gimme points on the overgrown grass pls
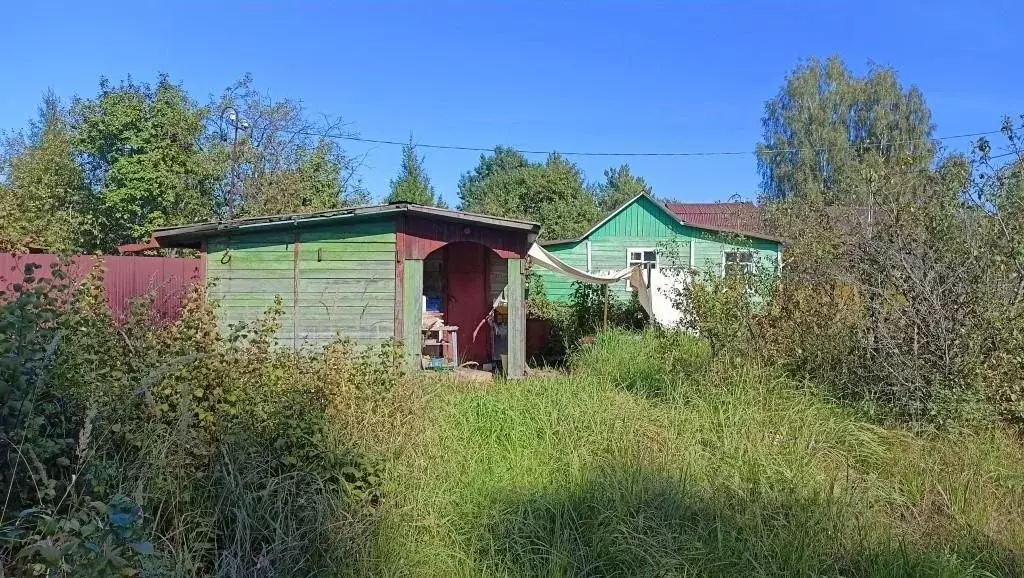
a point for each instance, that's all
(650, 459)
(200, 453)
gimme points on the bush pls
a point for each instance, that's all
(911, 303)
(584, 315)
(906, 293)
(158, 447)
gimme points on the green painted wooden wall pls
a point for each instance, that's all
(412, 311)
(343, 281)
(644, 224)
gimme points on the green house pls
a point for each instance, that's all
(372, 274)
(668, 240)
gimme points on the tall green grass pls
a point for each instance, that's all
(650, 459)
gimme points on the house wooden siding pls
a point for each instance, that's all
(644, 224)
(559, 287)
(333, 280)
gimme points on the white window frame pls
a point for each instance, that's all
(751, 266)
(642, 250)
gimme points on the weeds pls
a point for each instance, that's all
(717, 469)
(233, 457)
(178, 450)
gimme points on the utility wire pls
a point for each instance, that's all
(632, 154)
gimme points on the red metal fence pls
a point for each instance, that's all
(124, 278)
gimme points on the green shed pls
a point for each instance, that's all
(667, 240)
(372, 274)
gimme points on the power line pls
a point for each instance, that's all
(630, 154)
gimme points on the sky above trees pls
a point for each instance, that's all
(623, 77)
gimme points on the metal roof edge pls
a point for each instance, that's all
(674, 217)
(549, 242)
(187, 233)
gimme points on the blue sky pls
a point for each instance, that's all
(629, 76)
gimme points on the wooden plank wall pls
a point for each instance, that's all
(516, 320)
(336, 280)
(644, 225)
(558, 287)
(423, 236)
(247, 273)
(347, 283)
(412, 307)
(497, 277)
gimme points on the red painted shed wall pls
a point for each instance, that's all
(418, 237)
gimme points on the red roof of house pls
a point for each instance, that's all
(739, 217)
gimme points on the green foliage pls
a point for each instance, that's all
(136, 157)
(37, 446)
(651, 458)
(552, 193)
(538, 306)
(838, 122)
(619, 187)
(906, 290)
(100, 539)
(278, 164)
(720, 308)
(141, 152)
(46, 202)
(412, 184)
(584, 315)
(654, 364)
(237, 454)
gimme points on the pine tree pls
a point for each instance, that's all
(412, 184)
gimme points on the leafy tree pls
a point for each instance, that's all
(477, 188)
(142, 155)
(279, 161)
(412, 184)
(829, 123)
(552, 193)
(619, 187)
(44, 200)
(311, 185)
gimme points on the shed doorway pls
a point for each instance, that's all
(462, 283)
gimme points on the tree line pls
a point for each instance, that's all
(91, 173)
(94, 172)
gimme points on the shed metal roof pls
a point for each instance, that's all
(189, 234)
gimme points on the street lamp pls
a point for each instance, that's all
(235, 121)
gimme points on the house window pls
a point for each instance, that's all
(739, 262)
(646, 258)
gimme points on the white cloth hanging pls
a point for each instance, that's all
(540, 256)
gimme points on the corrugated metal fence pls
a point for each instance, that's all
(124, 277)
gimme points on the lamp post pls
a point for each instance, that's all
(235, 121)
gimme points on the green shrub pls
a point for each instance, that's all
(236, 457)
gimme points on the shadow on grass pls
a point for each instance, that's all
(634, 523)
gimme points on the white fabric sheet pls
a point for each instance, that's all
(539, 256)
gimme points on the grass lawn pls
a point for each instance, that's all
(649, 460)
